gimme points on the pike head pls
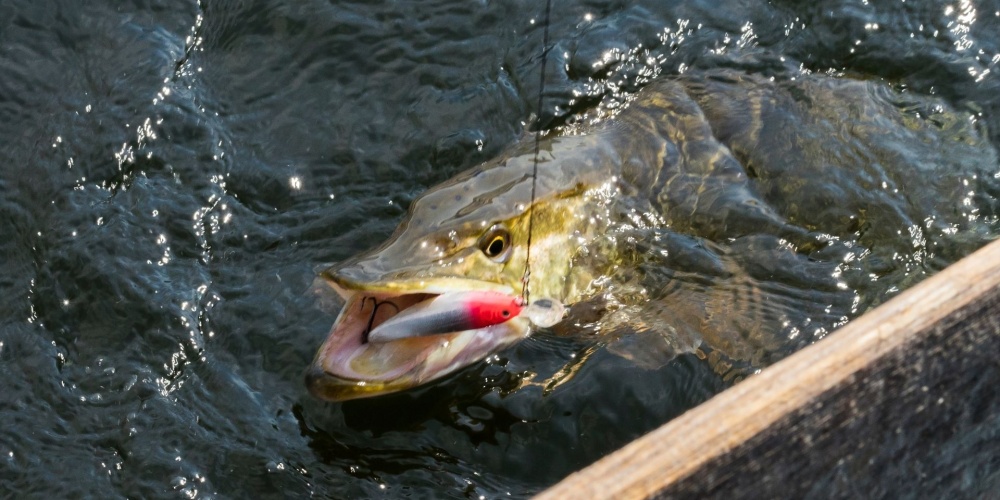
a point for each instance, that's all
(468, 234)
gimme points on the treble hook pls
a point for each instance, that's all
(371, 320)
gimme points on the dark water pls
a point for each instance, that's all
(173, 172)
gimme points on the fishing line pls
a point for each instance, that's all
(525, 294)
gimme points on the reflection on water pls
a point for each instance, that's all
(174, 172)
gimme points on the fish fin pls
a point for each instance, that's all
(570, 369)
(651, 336)
(652, 348)
(730, 369)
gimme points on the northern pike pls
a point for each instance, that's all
(726, 211)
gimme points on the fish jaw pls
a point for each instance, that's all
(348, 366)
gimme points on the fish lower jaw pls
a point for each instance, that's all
(382, 368)
(350, 366)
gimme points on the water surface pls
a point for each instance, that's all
(173, 173)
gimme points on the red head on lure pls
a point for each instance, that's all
(490, 308)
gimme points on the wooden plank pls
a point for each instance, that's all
(903, 400)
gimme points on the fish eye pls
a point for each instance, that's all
(495, 243)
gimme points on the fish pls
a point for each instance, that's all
(699, 204)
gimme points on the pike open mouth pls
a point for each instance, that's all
(386, 342)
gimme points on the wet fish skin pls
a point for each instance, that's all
(808, 173)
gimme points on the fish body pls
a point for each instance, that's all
(699, 197)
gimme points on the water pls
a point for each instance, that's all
(173, 173)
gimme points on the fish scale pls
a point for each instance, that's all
(768, 178)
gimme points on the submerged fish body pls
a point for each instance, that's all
(702, 194)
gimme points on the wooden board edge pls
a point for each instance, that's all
(680, 447)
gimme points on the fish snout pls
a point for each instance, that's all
(316, 379)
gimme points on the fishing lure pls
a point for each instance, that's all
(545, 312)
(447, 313)
(461, 311)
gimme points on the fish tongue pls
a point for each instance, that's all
(445, 313)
